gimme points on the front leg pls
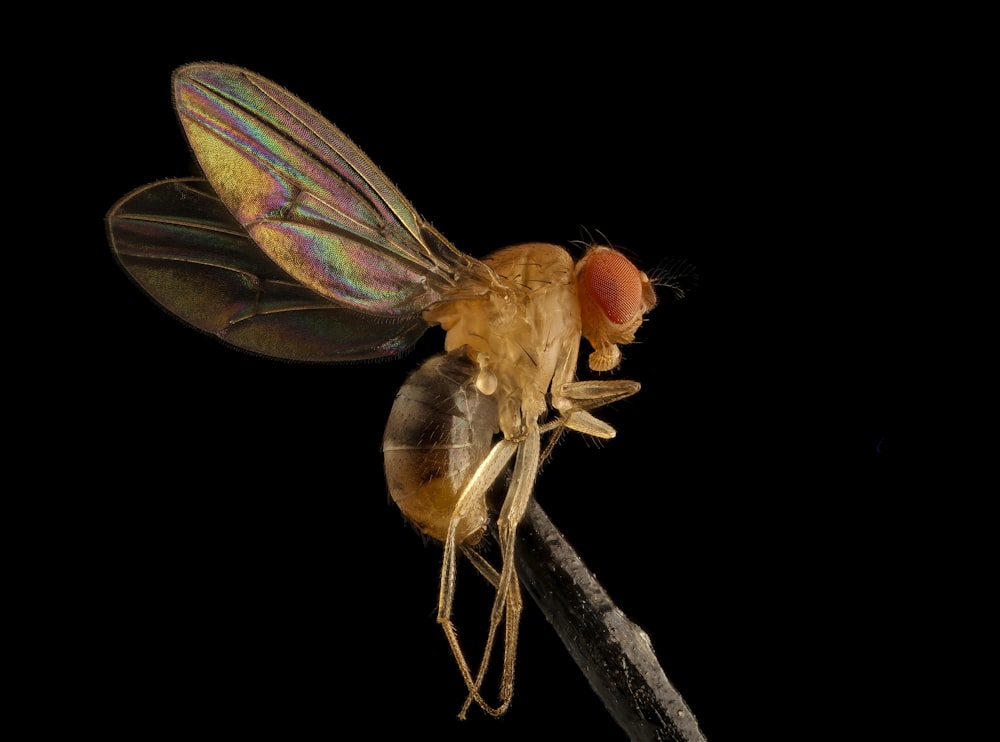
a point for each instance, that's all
(574, 401)
(577, 398)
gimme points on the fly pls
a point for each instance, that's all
(295, 245)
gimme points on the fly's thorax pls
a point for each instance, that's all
(614, 296)
(522, 334)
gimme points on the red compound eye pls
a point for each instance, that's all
(614, 285)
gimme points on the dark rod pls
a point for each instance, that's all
(614, 654)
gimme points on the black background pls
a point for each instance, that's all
(241, 568)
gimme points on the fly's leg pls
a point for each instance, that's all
(575, 401)
(508, 593)
(595, 393)
(484, 476)
(577, 398)
(511, 616)
(481, 564)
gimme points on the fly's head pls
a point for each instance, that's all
(614, 295)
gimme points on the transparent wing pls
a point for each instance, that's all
(310, 199)
(295, 245)
(182, 246)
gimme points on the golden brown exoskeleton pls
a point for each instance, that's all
(295, 245)
(512, 355)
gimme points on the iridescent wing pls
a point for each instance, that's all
(299, 247)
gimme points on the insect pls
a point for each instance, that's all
(295, 245)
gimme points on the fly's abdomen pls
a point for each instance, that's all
(440, 428)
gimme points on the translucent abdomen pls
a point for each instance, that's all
(439, 430)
